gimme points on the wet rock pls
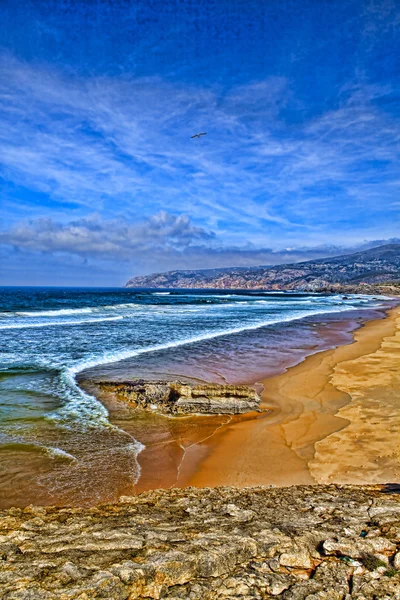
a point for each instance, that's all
(183, 398)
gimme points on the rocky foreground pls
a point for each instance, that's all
(183, 398)
(308, 542)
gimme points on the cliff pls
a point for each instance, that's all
(375, 266)
(182, 398)
(308, 542)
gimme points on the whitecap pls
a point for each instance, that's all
(58, 453)
(62, 323)
(55, 313)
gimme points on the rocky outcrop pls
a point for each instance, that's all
(298, 543)
(374, 266)
(182, 398)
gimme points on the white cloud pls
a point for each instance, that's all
(94, 237)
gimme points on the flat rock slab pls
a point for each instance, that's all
(306, 542)
(177, 398)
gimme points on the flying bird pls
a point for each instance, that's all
(198, 135)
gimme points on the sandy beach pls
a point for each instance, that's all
(335, 417)
(332, 418)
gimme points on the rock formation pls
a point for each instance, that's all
(182, 398)
(307, 542)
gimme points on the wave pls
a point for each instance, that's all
(84, 412)
(54, 313)
(57, 453)
(87, 310)
(157, 308)
(128, 305)
(200, 300)
(53, 323)
(113, 357)
(51, 451)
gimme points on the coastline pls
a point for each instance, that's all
(330, 420)
(313, 425)
(63, 446)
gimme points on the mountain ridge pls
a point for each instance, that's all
(374, 266)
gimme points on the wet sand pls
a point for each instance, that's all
(174, 447)
(335, 418)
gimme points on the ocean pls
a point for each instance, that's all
(58, 443)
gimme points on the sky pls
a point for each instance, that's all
(101, 180)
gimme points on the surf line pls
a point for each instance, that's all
(118, 356)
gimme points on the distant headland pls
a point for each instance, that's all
(375, 271)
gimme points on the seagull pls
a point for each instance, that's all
(198, 135)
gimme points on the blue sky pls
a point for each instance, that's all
(100, 179)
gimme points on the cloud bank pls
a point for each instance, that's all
(94, 237)
(152, 245)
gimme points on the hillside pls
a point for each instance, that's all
(374, 266)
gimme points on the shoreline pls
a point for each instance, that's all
(283, 445)
(318, 409)
(302, 410)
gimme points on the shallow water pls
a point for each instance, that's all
(57, 443)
